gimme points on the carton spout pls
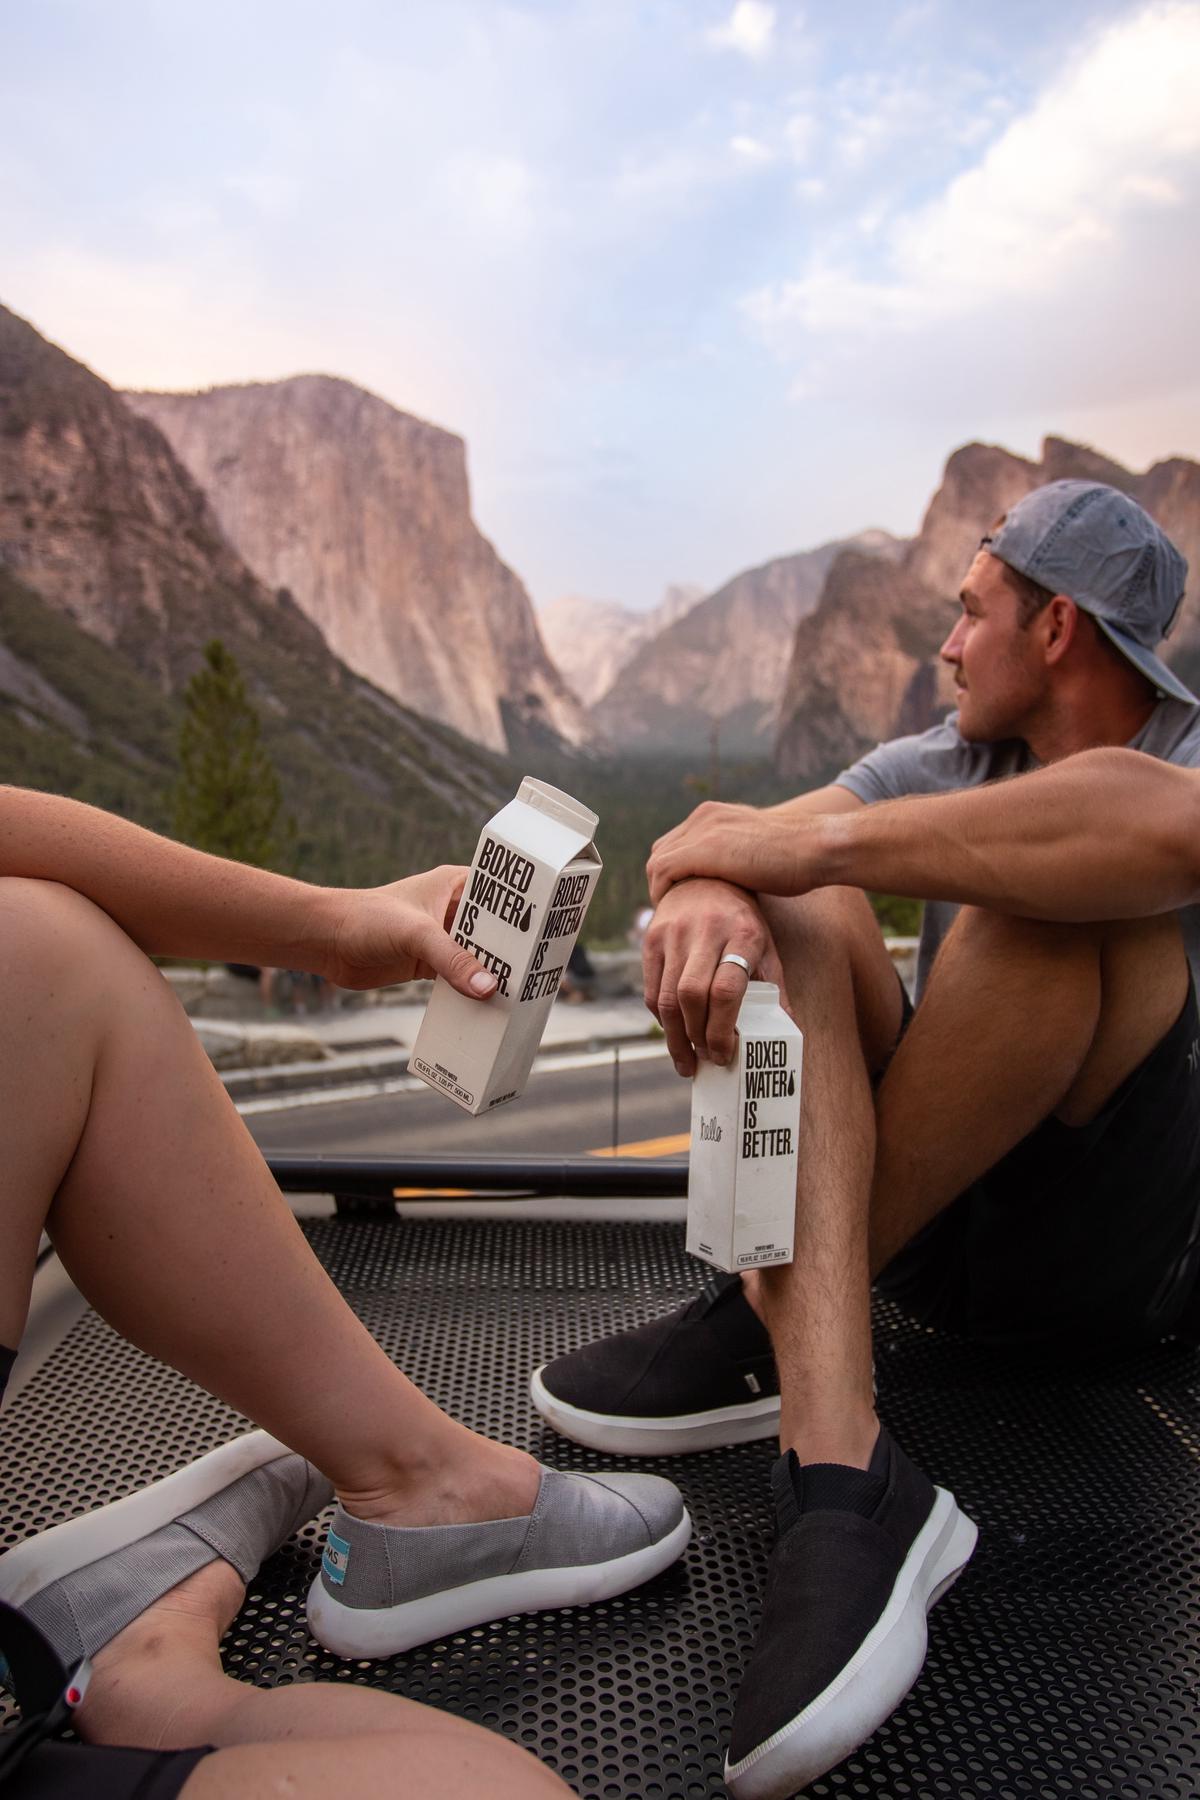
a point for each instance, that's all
(557, 805)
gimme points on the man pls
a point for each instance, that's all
(1020, 1163)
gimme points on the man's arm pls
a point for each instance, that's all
(690, 992)
(1107, 834)
(175, 901)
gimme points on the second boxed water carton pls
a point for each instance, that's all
(745, 1131)
(534, 872)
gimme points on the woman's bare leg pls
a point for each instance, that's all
(117, 1137)
(160, 1685)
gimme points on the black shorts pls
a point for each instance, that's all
(1085, 1238)
(93, 1772)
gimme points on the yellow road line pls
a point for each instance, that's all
(437, 1193)
(659, 1146)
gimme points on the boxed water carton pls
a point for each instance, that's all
(745, 1131)
(534, 873)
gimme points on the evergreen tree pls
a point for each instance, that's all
(227, 797)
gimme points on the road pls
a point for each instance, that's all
(563, 1112)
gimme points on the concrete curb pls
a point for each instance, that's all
(345, 1071)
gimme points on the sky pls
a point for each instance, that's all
(700, 282)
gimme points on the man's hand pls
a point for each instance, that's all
(379, 936)
(764, 852)
(694, 996)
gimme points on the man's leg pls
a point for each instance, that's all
(1021, 1020)
(704, 1375)
(843, 993)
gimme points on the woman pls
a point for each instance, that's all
(117, 1138)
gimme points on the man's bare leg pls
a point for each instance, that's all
(844, 995)
(1020, 1020)
(159, 1684)
(117, 1136)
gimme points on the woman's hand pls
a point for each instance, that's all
(379, 936)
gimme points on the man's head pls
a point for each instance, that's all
(1076, 577)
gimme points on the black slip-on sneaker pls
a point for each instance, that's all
(857, 1564)
(699, 1378)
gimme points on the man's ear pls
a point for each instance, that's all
(1059, 622)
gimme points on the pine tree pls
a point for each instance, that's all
(227, 797)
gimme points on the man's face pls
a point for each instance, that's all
(999, 675)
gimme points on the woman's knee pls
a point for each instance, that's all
(59, 951)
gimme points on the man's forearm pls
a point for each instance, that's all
(171, 900)
(1108, 834)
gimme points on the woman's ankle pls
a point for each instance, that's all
(153, 1684)
(478, 1481)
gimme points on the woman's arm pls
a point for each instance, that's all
(174, 901)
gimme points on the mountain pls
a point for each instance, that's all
(864, 663)
(114, 573)
(724, 662)
(363, 514)
(592, 640)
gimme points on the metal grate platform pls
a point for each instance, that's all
(1065, 1663)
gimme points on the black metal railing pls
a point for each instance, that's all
(370, 1183)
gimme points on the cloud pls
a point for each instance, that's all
(751, 150)
(1066, 254)
(800, 135)
(749, 30)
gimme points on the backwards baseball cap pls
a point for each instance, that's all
(1104, 552)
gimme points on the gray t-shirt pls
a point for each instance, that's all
(940, 761)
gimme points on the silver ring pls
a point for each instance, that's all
(733, 957)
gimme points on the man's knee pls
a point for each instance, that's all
(834, 920)
(830, 941)
(1001, 937)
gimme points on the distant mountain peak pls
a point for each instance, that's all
(362, 512)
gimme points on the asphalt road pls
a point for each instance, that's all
(563, 1112)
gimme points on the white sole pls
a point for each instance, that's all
(622, 1436)
(29, 1567)
(875, 1680)
(362, 1633)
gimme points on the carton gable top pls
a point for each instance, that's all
(541, 827)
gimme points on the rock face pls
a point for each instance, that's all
(362, 514)
(864, 663)
(592, 640)
(723, 664)
(114, 573)
(98, 517)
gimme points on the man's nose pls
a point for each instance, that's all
(951, 650)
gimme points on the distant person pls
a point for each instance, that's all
(118, 1139)
(579, 977)
(1019, 1162)
(642, 920)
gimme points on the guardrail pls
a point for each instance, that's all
(367, 1184)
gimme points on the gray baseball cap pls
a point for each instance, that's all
(1104, 551)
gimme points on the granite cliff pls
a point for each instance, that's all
(724, 662)
(362, 513)
(593, 640)
(114, 572)
(864, 662)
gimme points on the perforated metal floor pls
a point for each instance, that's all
(1065, 1663)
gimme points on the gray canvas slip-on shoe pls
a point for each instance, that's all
(83, 1582)
(384, 1589)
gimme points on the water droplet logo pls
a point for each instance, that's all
(791, 1083)
(527, 918)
